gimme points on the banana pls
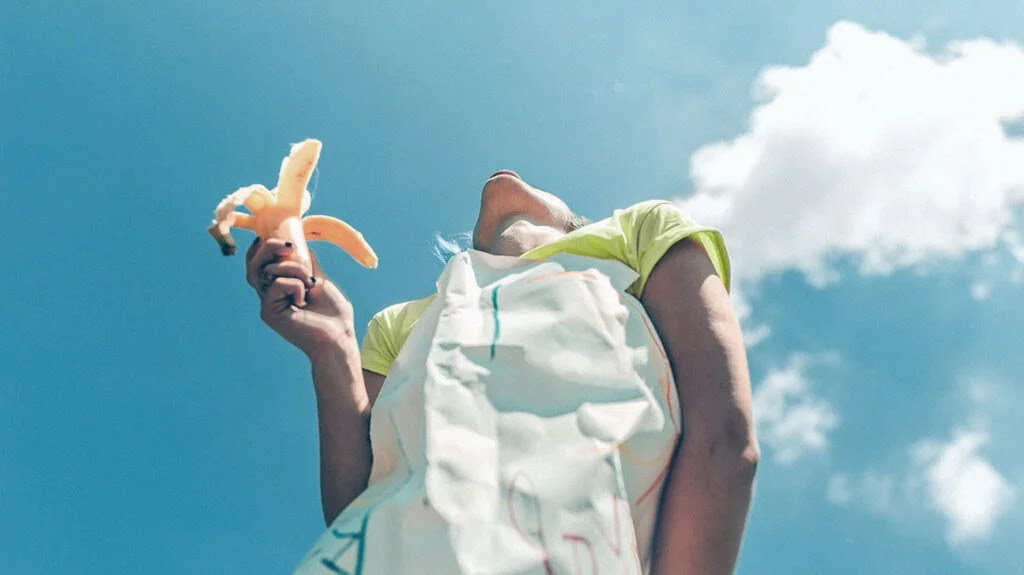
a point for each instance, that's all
(278, 213)
(339, 233)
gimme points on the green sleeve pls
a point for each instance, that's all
(387, 332)
(377, 351)
(654, 229)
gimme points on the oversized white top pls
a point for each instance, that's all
(526, 427)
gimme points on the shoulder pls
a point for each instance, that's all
(629, 218)
(403, 310)
(649, 221)
(395, 321)
(638, 236)
(652, 227)
(651, 215)
(387, 331)
(644, 208)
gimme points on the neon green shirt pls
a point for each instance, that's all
(637, 236)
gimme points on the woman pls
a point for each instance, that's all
(681, 272)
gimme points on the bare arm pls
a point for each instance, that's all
(343, 416)
(344, 398)
(708, 491)
(309, 311)
(374, 382)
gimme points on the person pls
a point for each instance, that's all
(683, 287)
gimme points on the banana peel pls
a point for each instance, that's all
(278, 213)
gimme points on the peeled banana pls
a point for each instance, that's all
(278, 213)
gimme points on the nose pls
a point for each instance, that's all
(505, 173)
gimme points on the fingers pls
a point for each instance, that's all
(267, 261)
(262, 253)
(252, 250)
(287, 269)
(282, 294)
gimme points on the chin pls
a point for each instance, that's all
(504, 196)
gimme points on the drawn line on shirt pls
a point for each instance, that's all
(666, 370)
(663, 383)
(497, 321)
(626, 453)
(358, 536)
(535, 536)
(540, 545)
(657, 481)
(616, 546)
(590, 551)
(586, 275)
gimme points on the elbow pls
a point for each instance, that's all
(742, 449)
(747, 461)
(737, 464)
(743, 452)
(736, 471)
(729, 459)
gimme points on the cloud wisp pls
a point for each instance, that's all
(962, 485)
(950, 476)
(874, 151)
(873, 490)
(792, 421)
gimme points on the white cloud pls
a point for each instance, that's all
(981, 391)
(980, 291)
(792, 422)
(962, 485)
(1015, 244)
(753, 333)
(875, 151)
(948, 476)
(873, 490)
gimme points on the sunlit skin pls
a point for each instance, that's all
(516, 217)
(708, 490)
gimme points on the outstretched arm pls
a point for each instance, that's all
(343, 416)
(344, 396)
(708, 491)
(311, 312)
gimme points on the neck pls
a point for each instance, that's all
(521, 236)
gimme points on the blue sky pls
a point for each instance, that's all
(150, 423)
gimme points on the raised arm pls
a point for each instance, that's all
(708, 491)
(311, 313)
(343, 417)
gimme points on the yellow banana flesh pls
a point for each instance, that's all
(278, 213)
(328, 229)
